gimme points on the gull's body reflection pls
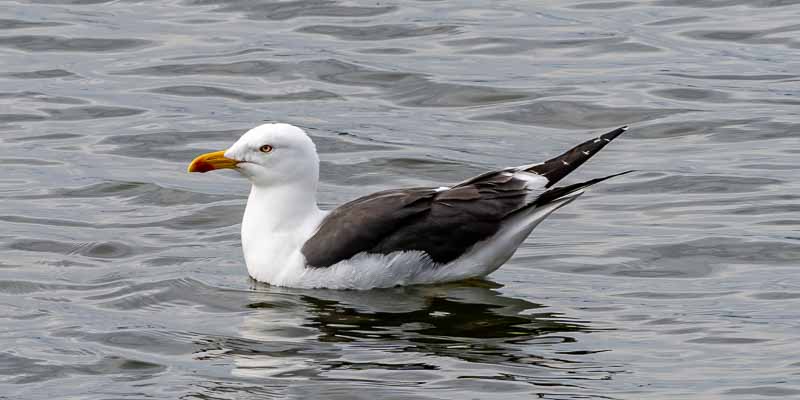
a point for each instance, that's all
(418, 335)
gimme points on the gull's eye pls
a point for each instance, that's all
(265, 148)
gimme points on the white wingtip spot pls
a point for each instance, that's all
(586, 152)
(565, 163)
(624, 128)
(596, 140)
(442, 188)
(531, 177)
(606, 139)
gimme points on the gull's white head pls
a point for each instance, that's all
(268, 155)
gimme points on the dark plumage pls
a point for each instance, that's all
(445, 223)
(556, 168)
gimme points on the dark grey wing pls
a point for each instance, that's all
(362, 224)
(444, 223)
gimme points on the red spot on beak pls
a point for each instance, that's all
(211, 161)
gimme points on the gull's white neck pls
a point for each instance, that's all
(280, 208)
(277, 222)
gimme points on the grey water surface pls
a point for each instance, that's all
(121, 275)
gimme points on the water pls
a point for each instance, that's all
(121, 275)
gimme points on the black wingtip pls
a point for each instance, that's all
(613, 134)
(557, 168)
(559, 192)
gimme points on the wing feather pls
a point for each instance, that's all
(444, 223)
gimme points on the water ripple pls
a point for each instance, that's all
(294, 9)
(378, 32)
(210, 91)
(122, 275)
(41, 43)
(573, 114)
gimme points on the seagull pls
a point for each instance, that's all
(419, 235)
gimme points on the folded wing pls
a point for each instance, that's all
(444, 223)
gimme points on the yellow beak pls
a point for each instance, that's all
(211, 161)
